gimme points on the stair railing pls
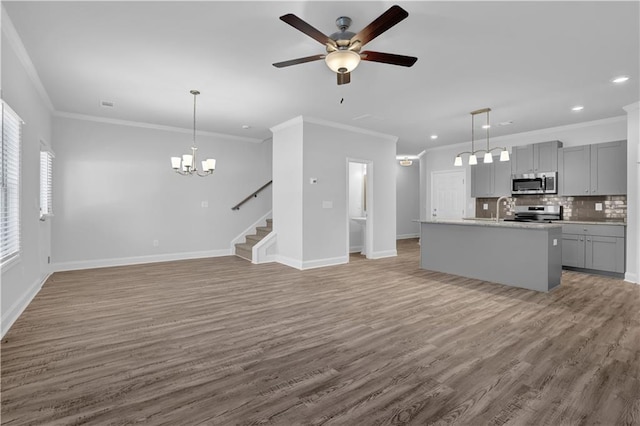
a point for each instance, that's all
(253, 195)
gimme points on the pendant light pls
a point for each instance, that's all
(487, 158)
(187, 164)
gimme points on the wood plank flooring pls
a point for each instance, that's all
(224, 342)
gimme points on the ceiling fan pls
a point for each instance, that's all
(343, 47)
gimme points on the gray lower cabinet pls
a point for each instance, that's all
(597, 247)
(598, 169)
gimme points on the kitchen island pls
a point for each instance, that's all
(519, 254)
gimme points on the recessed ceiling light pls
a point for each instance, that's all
(434, 136)
(246, 126)
(577, 108)
(486, 126)
(620, 79)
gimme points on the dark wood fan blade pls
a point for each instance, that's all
(301, 25)
(298, 61)
(388, 58)
(381, 24)
(344, 78)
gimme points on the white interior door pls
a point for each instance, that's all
(448, 194)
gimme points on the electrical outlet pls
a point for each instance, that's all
(555, 242)
(204, 204)
(485, 206)
(598, 207)
(156, 243)
(313, 181)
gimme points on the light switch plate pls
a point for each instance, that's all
(327, 204)
(598, 207)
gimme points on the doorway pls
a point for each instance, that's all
(448, 194)
(359, 207)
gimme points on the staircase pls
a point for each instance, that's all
(244, 250)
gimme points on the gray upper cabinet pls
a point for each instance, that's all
(491, 180)
(502, 177)
(482, 180)
(599, 169)
(538, 157)
(609, 168)
(574, 170)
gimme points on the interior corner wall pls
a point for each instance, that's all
(326, 152)
(633, 193)
(408, 200)
(22, 280)
(287, 192)
(117, 201)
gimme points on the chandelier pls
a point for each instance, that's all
(187, 165)
(488, 158)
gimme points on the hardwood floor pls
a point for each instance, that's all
(222, 341)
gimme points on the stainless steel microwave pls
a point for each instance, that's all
(534, 183)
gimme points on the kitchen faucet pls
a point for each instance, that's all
(504, 197)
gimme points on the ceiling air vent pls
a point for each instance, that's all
(106, 104)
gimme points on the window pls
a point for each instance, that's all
(46, 186)
(10, 186)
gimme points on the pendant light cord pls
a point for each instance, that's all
(194, 119)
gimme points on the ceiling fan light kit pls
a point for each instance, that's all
(342, 61)
(343, 47)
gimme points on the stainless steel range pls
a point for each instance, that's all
(536, 214)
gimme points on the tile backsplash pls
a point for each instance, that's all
(614, 207)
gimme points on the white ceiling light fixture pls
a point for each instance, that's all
(342, 61)
(577, 108)
(487, 158)
(406, 162)
(434, 137)
(620, 79)
(186, 165)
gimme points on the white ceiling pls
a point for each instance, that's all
(528, 61)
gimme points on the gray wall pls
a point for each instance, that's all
(317, 236)
(408, 200)
(115, 193)
(22, 280)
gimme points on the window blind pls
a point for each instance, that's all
(46, 183)
(10, 185)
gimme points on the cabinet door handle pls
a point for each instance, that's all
(586, 190)
(588, 239)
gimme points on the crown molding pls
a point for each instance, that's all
(349, 128)
(9, 31)
(541, 132)
(118, 122)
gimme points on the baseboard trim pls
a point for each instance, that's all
(136, 260)
(382, 254)
(407, 236)
(320, 263)
(287, 261)
(14, 312)
(631, 277)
